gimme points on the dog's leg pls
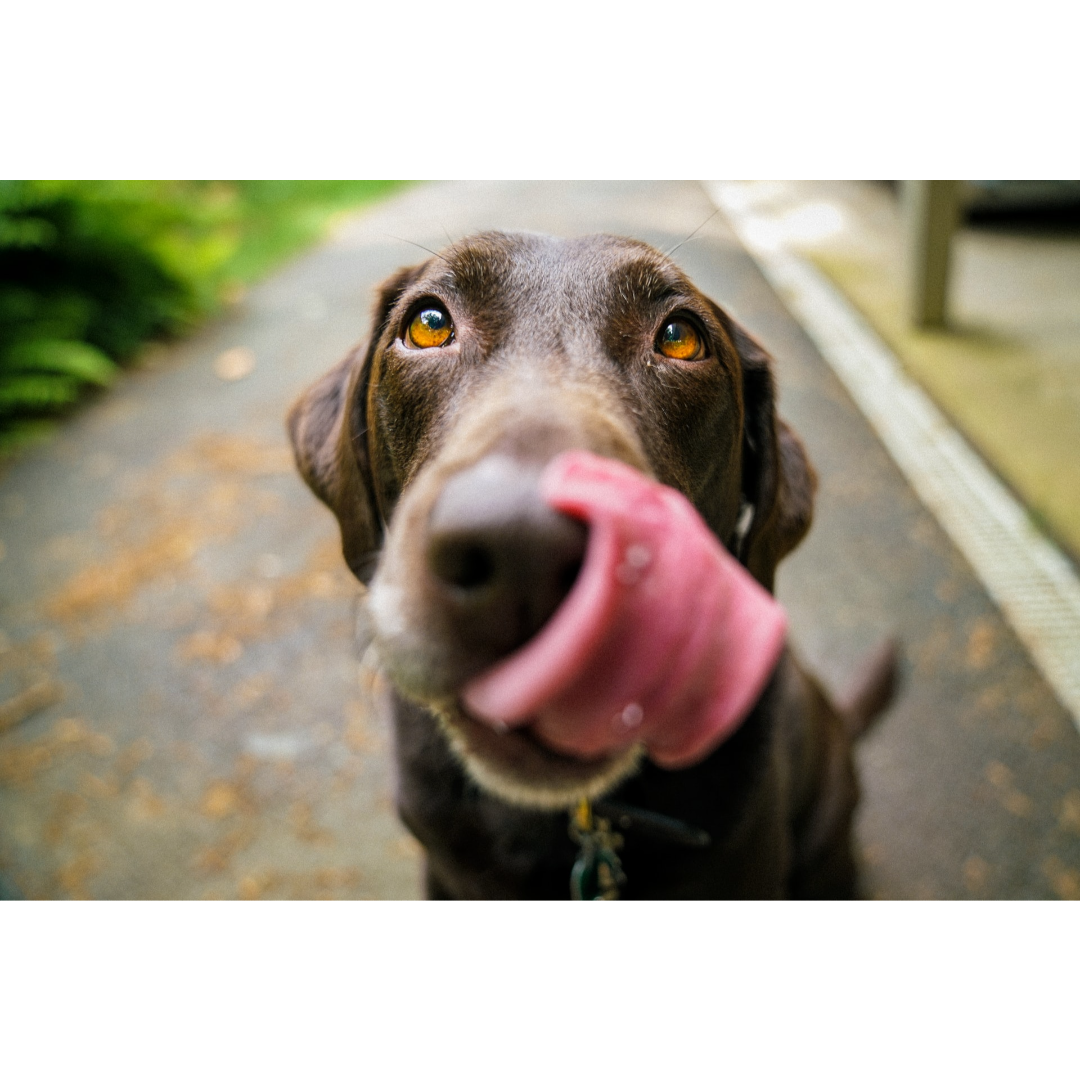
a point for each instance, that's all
(433, 888)
(872, 689)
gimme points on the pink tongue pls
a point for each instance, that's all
(664, 639)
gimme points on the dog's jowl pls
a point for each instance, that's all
(559, 469)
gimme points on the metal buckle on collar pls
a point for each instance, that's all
(597, 873)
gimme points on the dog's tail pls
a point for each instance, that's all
(872, 689)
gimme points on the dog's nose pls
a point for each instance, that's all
(502, 559)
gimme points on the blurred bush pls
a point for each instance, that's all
(89, 270)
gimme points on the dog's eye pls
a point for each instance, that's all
(679, 341)
(430, 327)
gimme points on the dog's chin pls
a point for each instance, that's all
(512, 765)
(517, 768)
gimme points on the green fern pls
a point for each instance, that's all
(74, 358)
(90, 270)
(80, 290)
(37, 392)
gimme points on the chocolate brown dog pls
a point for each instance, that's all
(428, 442)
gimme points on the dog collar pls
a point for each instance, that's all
(597, 873)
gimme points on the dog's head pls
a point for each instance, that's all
(428, 443)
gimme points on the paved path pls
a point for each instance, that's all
(175, 592)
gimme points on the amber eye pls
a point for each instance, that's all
(429, 328)
(679, 341)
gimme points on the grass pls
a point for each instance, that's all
(275, 219)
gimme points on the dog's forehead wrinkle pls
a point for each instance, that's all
(549, 276)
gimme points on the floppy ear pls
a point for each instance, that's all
(329, 433)
(778, 481)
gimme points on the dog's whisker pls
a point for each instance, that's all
(672, 251)
(422, 247)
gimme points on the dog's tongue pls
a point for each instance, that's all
(665, 639)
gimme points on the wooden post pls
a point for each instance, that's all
(931, 211)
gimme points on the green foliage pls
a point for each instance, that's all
(278, 217)
(89, 270)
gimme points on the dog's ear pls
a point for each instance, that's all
(778, 481)
(329, 432)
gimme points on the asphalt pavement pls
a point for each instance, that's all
(186, 715)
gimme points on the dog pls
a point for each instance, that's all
(483, 364)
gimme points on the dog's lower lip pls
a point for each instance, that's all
(523, 732)
(519, 768)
